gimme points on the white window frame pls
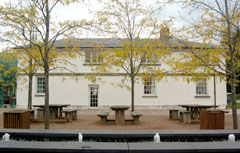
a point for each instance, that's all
(150, 61)
(202, 86)
(89, 92)
(40, 93)
(151, 87)
(91, 56)
(146, 61)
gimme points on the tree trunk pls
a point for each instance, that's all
(132, 93)
(214, 90)
(234, 103)
(30, 77)
(232, 67)
(46, 76)
(132, 78)
(46, 66)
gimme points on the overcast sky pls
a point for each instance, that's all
(80, 11)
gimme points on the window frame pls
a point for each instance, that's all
(201, 84)
(153, 60)
(96, 103)
(90, 56)
(151, 87)
(37, 85)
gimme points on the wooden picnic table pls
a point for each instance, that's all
(195, 109)
(55, 110)
(119, 113)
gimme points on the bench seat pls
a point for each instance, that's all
(40, 113)
(136, 117)
(103, 116)
(185, 117)
(173, 114)
(70, 114)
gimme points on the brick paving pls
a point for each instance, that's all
(151, 119)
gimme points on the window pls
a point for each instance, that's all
(146, 61)
(150, 60)
(201, 87)
(149, 86)
(40, 85)
(93, 58)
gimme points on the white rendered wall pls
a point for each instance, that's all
(170, 93)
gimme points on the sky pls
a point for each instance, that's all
(80, 11)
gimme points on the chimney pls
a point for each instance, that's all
(164, 33)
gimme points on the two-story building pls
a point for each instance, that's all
(83, 93)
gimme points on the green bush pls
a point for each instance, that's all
(230, 105)
(238, 96)
(229, 96)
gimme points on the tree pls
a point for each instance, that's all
(218, 30)
(28, 66)
(18, 35)
(135, 28)
(8, 74)
(35, 16)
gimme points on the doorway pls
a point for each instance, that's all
(93, 93)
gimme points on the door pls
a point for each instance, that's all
(93, 93)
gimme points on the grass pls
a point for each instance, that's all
(230, 105)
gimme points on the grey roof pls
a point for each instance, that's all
(89, 43)
(117, 43)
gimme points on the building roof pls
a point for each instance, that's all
(88, 42)
(117, 43)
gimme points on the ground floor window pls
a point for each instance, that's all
(201, 86)
(149, 86)
(40, 85)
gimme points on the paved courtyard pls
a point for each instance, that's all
(151, 119)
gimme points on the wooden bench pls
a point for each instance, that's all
(185, 117)
(103, 116)
(173, 114)
(70, 114)
(136, 117)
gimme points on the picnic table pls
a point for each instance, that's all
(195, 109)
(119, 113)
(55, 110)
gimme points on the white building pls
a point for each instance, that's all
(165, 94)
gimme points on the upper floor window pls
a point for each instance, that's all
(40, 85)
(146, 61)
(149, 86)
(150, 60)
(93, 58)
(201, 86)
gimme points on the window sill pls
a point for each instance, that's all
(39, 95)
(152, 64)
(202, 96)
(149, 96)
(91, 64)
